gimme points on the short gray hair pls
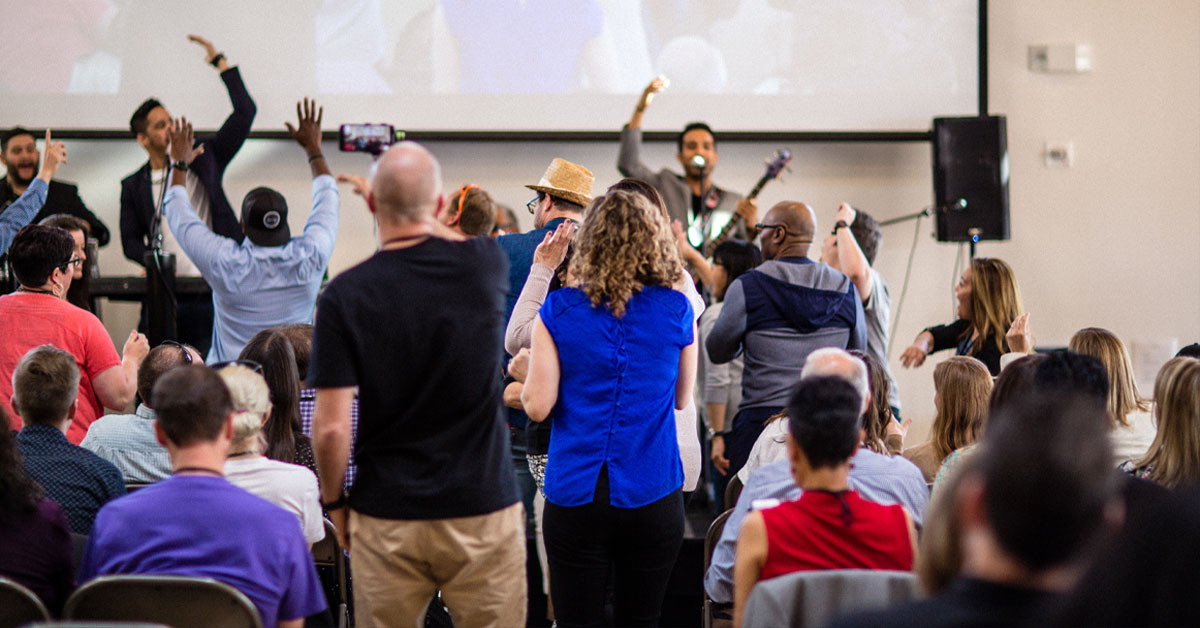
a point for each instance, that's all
(838, 363)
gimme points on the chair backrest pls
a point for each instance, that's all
(328, 553)
(733, 490)
(713, 535)
(19, 605)
(179, 601)
(813, 598)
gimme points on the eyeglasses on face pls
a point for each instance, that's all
(250, 364)
(74, 261)
(532, 204)
(763, 227)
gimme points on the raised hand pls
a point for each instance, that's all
(655, 86)
(55, 155)
(747, 208)
(553, 249)
(1019, 339)
(362, 187)
(308, 135)
(182, 139)
(210, 52)
(845, 213)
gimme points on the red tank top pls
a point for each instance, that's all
(823, 530)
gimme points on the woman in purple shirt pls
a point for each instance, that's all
(35, 543)
(612, 358)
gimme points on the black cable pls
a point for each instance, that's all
(904, 291)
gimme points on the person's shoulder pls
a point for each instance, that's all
(99, 465)
(143, 172)
(62, 188)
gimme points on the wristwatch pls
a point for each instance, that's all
(839, 225)
(338, 503)
(712, 432)
(179, 165)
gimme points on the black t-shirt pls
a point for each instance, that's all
(419, 331)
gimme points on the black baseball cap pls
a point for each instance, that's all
(264, 217)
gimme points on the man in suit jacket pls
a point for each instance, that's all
(142, 192)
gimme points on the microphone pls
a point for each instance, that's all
(698, 162)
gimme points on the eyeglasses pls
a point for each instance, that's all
(250, 364)
(532, 205)
(762, 227)
(74, 261)
(186, 349)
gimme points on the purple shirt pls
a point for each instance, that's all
(36, 551)
(204, 526)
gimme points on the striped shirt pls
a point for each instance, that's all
(308, 407)
(128, 441)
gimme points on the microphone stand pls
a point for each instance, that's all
(927, 212)
(160, 278)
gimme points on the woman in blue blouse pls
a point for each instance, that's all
(612, 358)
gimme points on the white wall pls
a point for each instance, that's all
(1112, 242)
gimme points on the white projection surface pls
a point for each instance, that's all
(498, 65)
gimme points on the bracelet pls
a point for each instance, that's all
(315, 157)
(336, 504)
(216, 61)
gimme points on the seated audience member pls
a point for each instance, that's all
(721, 384)
(41, 258)
(1015, 383)
(1133, 423)
(272, 353)
(506, 222)
(300, 336)
(771, 444)
(469, 211)
(45, 383)
(35, 543)
(270, 277)
(79, 294)
(14, 215)
(939, 552)
(289, 486)
(829, 526)
(885, 432)
(876, 477)
(1173, 460)
(961, 386)
(128, 440)
(196, 523)
(1041, 492)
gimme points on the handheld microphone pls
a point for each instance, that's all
(698, 162)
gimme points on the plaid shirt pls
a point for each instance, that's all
(79, 480)
(308, 406)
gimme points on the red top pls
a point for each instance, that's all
(822, 530)
(28, 320)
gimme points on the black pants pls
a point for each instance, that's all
(584, 544)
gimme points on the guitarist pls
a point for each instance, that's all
(701, 217)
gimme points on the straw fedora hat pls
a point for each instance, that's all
(567, 181)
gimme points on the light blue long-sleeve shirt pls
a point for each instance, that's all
(257, 287)
(21, 212)
(878, 478)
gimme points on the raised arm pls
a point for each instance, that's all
(23, 210)
(849, 254)
(541, 385)
(117, 385)
(307, 134)
(202, 246)
(629, 159)
(548, 256)
(233, 132)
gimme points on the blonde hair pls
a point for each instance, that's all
(624, 245)
(995, 300)
(1173, 459)
(1123, 395)
(251, 400)
(964, 386)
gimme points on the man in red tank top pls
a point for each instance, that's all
(829, 526)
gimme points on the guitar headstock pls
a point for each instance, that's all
(778, 164)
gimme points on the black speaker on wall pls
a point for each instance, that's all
(970, 163)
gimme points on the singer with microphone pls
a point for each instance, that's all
(142, 193)
(990, 321)
(701, 207)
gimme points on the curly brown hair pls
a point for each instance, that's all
(624, 245)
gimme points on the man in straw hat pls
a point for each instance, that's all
(562, 193)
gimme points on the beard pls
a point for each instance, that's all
(14, 173)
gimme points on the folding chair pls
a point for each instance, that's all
(710, 544)
(327, 553)
(179, 601)
(19, 605)
(813, 598)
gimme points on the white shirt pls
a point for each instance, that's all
(289, 486)
(199, 199)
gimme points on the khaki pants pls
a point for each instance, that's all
(477, 562)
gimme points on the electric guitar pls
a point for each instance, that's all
(774, 167)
